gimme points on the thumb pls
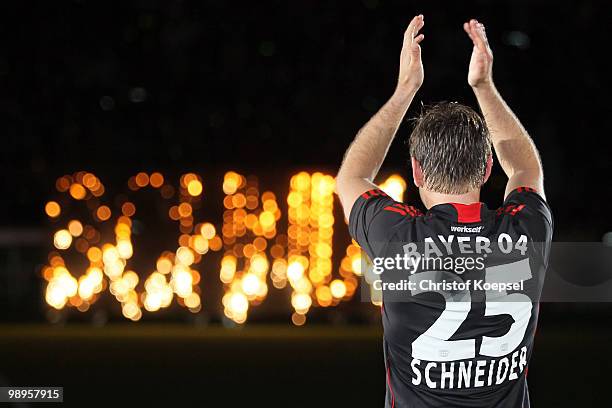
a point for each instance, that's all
(415, 49)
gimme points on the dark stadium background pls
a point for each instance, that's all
(272, 88)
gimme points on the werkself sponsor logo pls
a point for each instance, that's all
(463, 228)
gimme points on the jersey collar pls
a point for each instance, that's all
(463, 213)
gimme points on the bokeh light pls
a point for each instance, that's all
(254, 252)
(310, 236)
(249, 224)
(52, 209)
(109, 261)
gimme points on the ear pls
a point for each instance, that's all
(417, 172)
(488, 168)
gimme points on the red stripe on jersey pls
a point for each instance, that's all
(412, 211)
(523, 189)
(467, 212)
(397, 210)
(415, 211)
(511, 209)
(373, 193)
(517, 209)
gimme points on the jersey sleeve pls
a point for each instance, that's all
(374, 219)
(532, 211)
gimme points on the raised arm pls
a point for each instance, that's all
(367, 152)
(515, 150)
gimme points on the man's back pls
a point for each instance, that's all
(459, 322)
(460, 284)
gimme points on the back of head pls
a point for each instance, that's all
(452, 145)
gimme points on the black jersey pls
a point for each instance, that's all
(460, 317)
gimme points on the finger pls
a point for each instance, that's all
(477, 30)
(478, 39)
(414, 43)
(410, 26)
(410, 30)
(484, 33)
(418, 25)
(466, 28)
